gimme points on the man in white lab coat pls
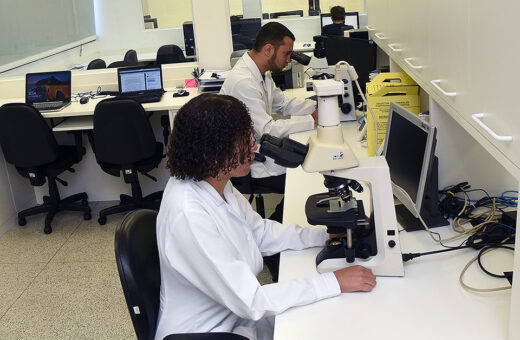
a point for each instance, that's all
(251, 82)
(211, 241)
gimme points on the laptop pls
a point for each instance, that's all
(48, 91)
(142, 83)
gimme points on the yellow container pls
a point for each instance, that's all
(385, 88)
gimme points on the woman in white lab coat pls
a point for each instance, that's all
(211, 241)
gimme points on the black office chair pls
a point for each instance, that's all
(137, 260)
(29, 144)
(131, 57)
(169, 54)
(246, 186)
(124, 142)
(96, 64)
(120, 63)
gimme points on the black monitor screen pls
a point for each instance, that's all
(359, 53)
(405, 154)
(243, 33)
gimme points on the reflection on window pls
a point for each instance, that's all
(168, 13)
(276, 6)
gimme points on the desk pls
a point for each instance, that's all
(79, 116)
(89, 177)
(427, 303)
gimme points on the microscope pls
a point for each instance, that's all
(370, 240)
(337, 72)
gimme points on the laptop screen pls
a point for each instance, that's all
(47, 87)
(140, 79)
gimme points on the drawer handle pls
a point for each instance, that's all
(408, 61)
(436, 82)
(379, 36)
(392, 47)
(476, 117)
(371, 28)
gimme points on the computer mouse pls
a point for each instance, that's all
(83, 100)
(181, 93)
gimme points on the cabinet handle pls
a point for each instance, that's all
(378, 35)
(408, 61)
(392, 47)
(371, 28)
(476, 117)
(436, 82)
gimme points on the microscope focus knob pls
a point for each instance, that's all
(391, 243)
(346, 108)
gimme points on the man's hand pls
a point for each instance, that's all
(315, 116)
(355, 279)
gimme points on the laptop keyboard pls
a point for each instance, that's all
(48, 106)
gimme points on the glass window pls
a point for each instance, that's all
(168, 13)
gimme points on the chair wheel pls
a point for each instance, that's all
(87, 216)
(47, 229)
(22, 221)
(102, 220)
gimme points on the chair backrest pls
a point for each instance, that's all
(169, 54)
(137, 260)
(122, 132)
(26, 139)
(96, 64)
(235, 55)
(120, 63)
(131, 57)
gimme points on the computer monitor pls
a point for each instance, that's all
(359, 53)
(243, 33)
(351, 19)
(409, 150)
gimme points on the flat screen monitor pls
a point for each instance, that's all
(351, 19)
(359, 53)
(243, 33)
(409, 150)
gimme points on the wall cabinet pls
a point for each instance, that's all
(463, 53)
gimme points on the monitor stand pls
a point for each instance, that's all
(411, 223)
(430, 212)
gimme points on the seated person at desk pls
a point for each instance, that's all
(211, 241)
(338, 27)
(250, 81)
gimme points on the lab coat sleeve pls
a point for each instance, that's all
(273, 237)
(290, 106)
(253, 96)
(206, 259)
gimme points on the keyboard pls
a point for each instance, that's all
(50, 106)
(145, 98)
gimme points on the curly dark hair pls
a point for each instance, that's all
(211, 133)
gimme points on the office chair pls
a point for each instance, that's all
(29, 144)
(137, 260)
(246, 186)
(96, 64)
(123, 141)
(121, 63)
(169, 54)
(131, 57)
(236, 55)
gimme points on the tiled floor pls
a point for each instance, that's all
(65, 285)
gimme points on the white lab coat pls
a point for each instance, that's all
(210, 252)
(262, 98)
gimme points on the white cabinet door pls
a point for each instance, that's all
(415, 44)
(377, 17)
(448, 68)
(493, 78)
